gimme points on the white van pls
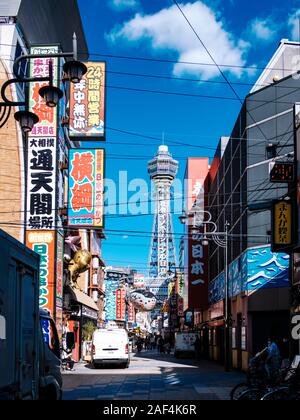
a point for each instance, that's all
(110, 346)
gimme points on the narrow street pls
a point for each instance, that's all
(151, 376)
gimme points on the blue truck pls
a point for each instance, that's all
(29, 345)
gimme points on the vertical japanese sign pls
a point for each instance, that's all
(42, 148)
(131, 312)
(282, 229)
(43, 243)
(59, 283)
(86, 186)
(120, 305)
(180, 294)
(41, 191)
(39, 67)
(87, 104)
(41, 183)
(197, 255)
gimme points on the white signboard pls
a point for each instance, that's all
(41, 184)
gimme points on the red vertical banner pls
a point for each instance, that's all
(120, 305)
(131, 312)
(197, 254)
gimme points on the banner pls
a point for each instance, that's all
(39, 67)
(41, 185)
(282, 225)
(120, 305)
(86, 187)
(59, 283)
(43, 243)
(87, 104)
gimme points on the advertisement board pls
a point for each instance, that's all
(87, 104)
(39, 67)
(196, 255)
(86, 188)
(59, 283)
(282, 225)
(43, 243)
(120, 305)
(41, 184)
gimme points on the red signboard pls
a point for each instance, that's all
(197, 254)
(120, 305)
(131, 312)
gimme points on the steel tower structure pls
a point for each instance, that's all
(162, 170)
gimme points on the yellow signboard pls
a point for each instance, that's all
(282, 225)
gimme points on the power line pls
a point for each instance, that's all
(162, 60)
(218, 67)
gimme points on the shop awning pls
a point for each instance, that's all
(84, 299)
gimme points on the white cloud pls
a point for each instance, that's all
(167, 30)
(293, 23)
(263, 29)
(124, 4)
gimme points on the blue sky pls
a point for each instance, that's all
(240, 33)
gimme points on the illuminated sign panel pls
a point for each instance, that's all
(282, 172)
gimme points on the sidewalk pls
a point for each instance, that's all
(153, 376)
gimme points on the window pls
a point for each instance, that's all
(50, 335)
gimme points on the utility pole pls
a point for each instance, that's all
(227, 311)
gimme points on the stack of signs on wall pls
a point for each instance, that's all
(86, 186)
(42, 179)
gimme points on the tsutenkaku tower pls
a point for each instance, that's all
(162, 170)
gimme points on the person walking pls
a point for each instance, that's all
(152, 342)
(161, 345)
(273, 360)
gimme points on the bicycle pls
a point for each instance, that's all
(288, 392)
(256, 376)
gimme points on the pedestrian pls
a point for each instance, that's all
(167, 347)
(161, 345)
(273, 360)
(152, 342)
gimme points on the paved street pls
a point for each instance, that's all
(151, 377)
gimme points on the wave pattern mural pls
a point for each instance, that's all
(256, 269)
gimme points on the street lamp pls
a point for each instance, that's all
(220, 239)
(27, 120)
(74, 71)
(50, 93)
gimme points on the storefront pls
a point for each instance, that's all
(79, 310)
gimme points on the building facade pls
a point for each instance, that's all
(239, 192)
(34, 169)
